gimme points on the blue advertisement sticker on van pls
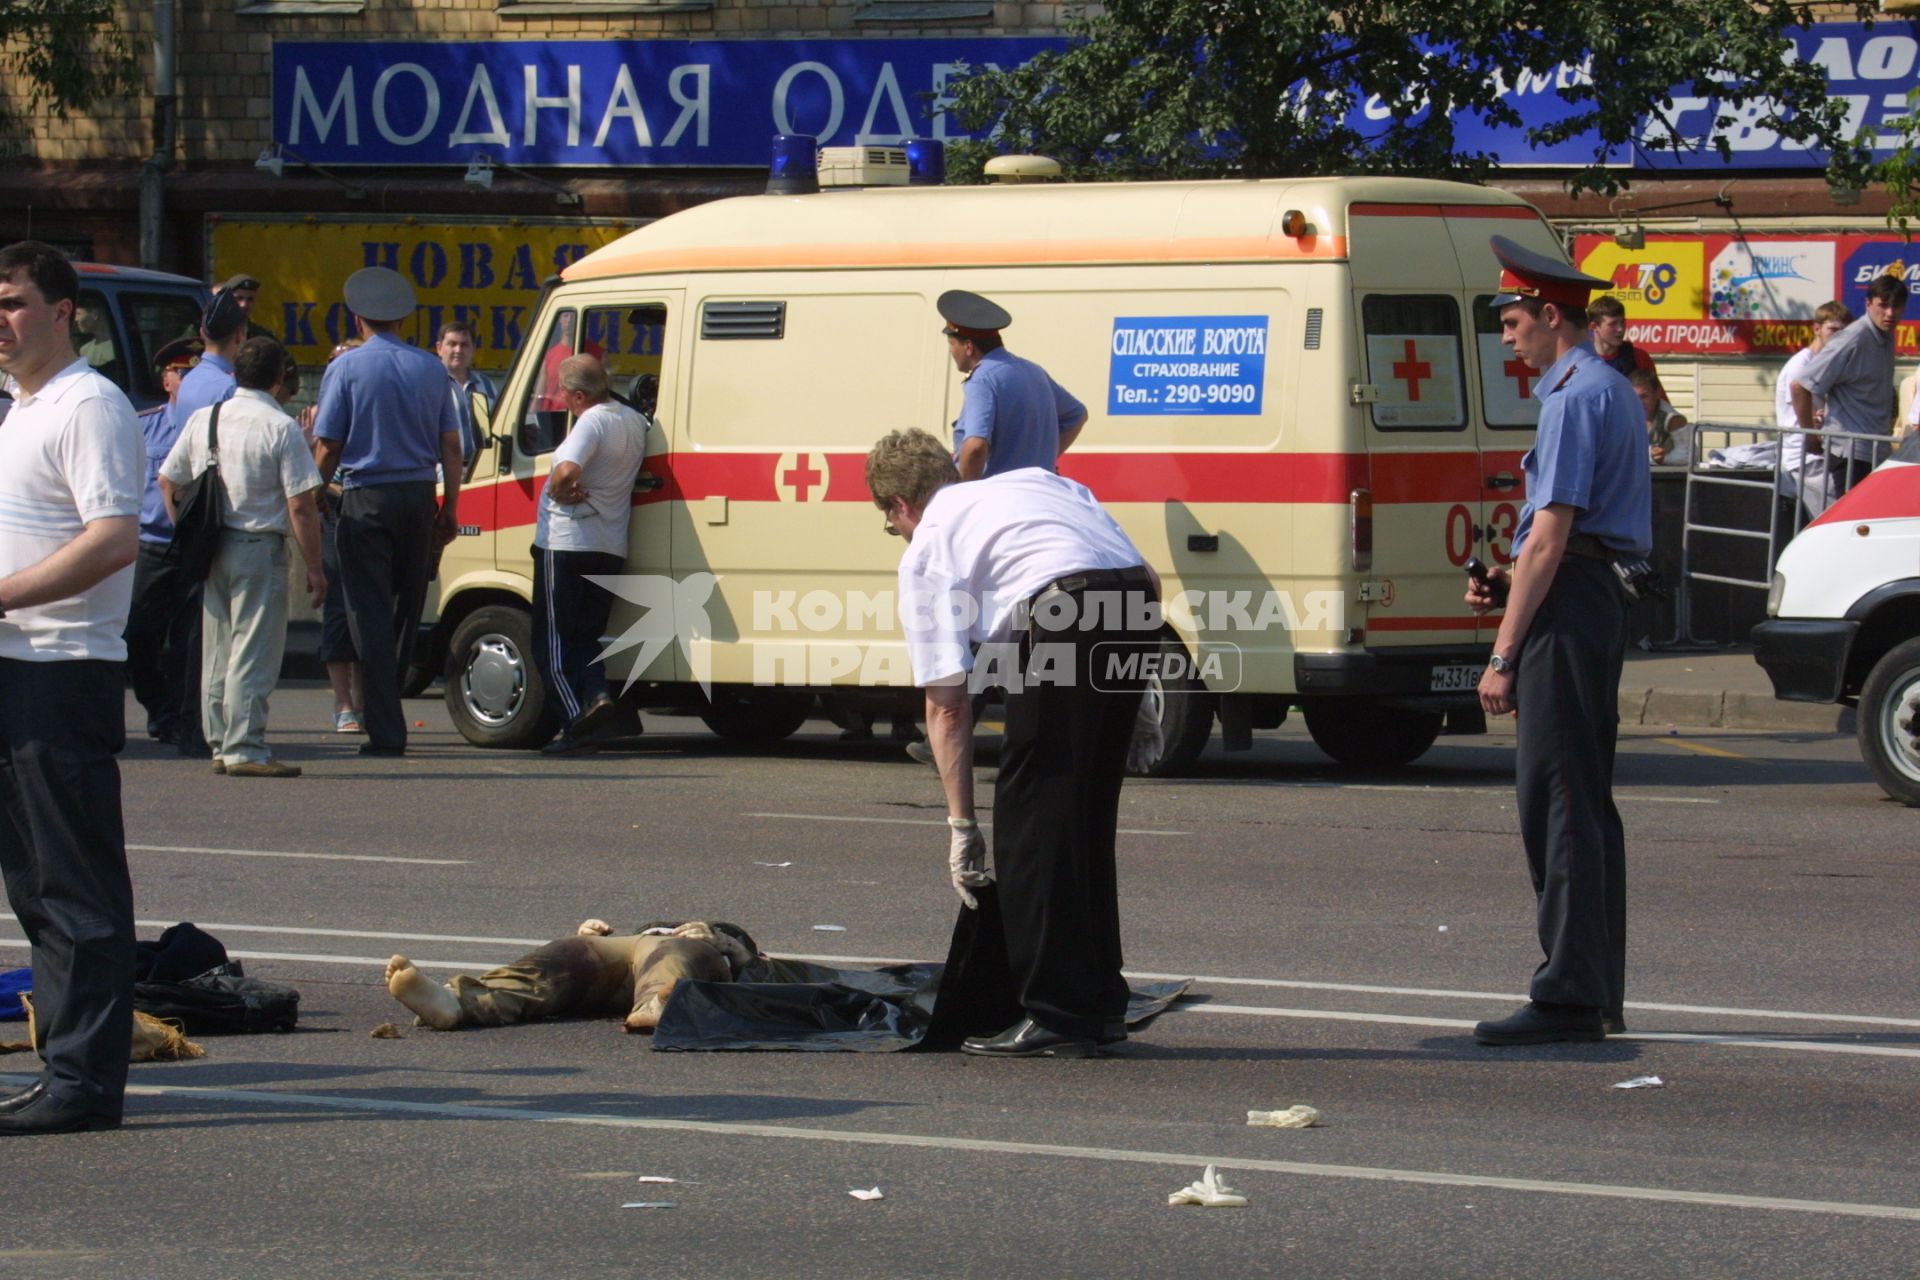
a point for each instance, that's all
(1187, 364)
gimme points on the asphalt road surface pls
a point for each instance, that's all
(1344, 930)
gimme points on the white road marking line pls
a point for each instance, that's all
(1117, 1155)
(1201, 979)
(1452, 1024)
(1466, 791)
(269, 853)
(924, 822)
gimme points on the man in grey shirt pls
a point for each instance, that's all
(1854, 371)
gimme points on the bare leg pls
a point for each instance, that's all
(431, 1003)
(340, 676)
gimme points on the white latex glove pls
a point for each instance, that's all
(967, 859)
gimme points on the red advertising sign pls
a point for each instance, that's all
(1755, 294)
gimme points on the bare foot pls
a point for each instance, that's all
(431, 1003)
(650, 1004)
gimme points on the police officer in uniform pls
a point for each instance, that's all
(1556, 660)
(982, 558)
(1012, 414)
(386, 418)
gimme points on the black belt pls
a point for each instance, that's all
(1099, 580)
(1588, 547)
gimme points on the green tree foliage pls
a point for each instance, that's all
(66, 55)
(1901, 170)
(1259, 88)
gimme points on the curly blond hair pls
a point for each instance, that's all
(911, 465)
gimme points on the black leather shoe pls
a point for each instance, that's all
(568, 745)
(46, 1114)
(1542, 1024)
(1112, 1033)
(1028, 1039)
(1614, 1023)
(13, 1102)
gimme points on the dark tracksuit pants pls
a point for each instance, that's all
(570, 617)
(64, 857)
(163, 647)
(1567, 691)
(1055, 810)
(385, 541)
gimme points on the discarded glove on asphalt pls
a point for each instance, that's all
(1296, 1117)
(1209, 1193)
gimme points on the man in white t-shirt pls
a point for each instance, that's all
(71, 473)
(582, 533)
(1829, 318)
(271, 484)
(1022, 580)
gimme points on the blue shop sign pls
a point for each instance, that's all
(717, 103)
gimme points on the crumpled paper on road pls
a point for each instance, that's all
(1209, 1193)
(1294, 1117)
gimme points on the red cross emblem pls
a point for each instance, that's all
(800, 477)
(1522, 374)
(1412, 371)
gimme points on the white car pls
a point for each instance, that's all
(1843, 617)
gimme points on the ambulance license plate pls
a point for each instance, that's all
(1455, 679)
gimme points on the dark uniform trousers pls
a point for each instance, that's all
(64, 857)
(163, 647)
(1055, 810)
(1567, 690)
(385, 541)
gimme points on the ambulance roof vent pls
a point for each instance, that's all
(864, 167)
(1022, 169)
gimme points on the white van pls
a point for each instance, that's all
(1300, 411)
(1843, 617)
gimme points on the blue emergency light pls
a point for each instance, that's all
(926, 162)
(795, 170)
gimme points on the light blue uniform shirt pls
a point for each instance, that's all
(203, 386)
(387, 404)
(161, 427)
(1017, 409)
(1591, 454)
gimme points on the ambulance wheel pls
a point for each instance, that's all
(1356, 731)
(749, 716)
(494, 693)
(1889, 720)
(1185, 711)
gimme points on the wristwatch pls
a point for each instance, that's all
(1501, 667)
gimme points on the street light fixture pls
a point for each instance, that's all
(274, 160)
(480, 174)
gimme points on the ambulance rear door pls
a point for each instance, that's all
(1424, 455)
(1509, 407)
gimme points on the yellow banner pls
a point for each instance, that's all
(1663, 281)
(487, 275)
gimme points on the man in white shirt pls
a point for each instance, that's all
(581, 532)
(71, 468)
(271, 484)
(1829, 318)
(1022, 579)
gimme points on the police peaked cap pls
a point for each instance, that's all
(1526, 274)
(970, 313)
(223, 318)
(379, 294)
(181, 351)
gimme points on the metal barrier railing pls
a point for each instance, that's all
(1828, 467)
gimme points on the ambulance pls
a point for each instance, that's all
(1300, 411)
(1843, 617)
